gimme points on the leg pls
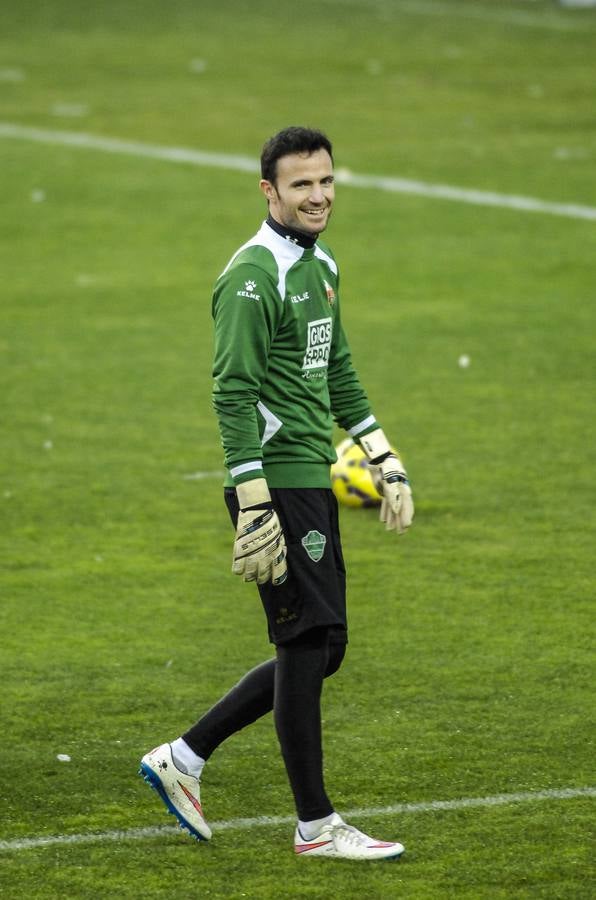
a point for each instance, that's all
(302, 664)
(174, 770)
(247, 701)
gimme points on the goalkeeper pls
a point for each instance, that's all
(282, 375)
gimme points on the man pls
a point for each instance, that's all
(282, 373)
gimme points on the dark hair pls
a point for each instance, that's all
(294, 139)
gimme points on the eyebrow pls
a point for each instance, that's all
(299, 181)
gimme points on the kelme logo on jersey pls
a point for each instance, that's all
(318, 344)
(314, 544)
(300, 298)
(249, 288)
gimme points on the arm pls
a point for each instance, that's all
(349, 402)
(246, 310)
(352, 412)
(244, 329)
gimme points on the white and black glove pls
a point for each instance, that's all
(259, 546)
(390, 480)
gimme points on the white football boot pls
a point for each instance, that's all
(345, 842)
(181, 793)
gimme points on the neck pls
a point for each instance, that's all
(290, 234)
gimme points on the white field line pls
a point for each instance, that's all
(129, 148)
(200, 476)
(467, 195)
(140, 834)
(539, 19)
(246, 164)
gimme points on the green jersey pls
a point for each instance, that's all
(282, 369)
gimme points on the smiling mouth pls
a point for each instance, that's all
(315, 212)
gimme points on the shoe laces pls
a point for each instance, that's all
(348, 833)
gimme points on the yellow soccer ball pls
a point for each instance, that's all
(351, 477)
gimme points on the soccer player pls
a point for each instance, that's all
(282, 374)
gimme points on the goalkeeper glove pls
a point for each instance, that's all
(391, 481)
(260, 546)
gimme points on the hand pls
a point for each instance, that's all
(397, 506)
(391, 481)
(259, 547)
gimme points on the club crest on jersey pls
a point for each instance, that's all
(330, 293)
(314, 544)
(249, 290)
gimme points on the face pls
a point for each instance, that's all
(303, 194)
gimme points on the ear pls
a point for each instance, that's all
(268, 189)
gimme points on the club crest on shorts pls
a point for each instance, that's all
(314, 544)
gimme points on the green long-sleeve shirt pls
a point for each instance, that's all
(282, 365)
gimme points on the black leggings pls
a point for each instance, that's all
(291, 686)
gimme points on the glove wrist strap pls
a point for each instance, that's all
(376, 446)
(253, 494)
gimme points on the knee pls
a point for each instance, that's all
(336, 655)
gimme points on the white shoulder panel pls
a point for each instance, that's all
(320, 254)
(284, 252)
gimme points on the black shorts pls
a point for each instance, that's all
(314, 593)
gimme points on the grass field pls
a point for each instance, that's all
(470, 672)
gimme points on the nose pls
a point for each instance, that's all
(316, 194)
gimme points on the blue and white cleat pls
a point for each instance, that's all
(181, 793)
(345, 842)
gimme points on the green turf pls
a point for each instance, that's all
(471, 666)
